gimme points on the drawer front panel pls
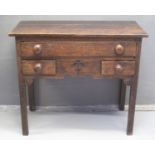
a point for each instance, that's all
(73, 67)
(77, 67)
(118, 68)
(78, 48)
(47, 67)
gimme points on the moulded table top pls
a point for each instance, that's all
(79, 28)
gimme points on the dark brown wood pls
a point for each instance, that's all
(80, 67)
(122, 95)
(133, 93)
(78, 48)
(118, 68)
(42, 67)
(22, 92)
(31, 96)
(79, 28)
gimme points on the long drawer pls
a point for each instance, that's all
(48, 49)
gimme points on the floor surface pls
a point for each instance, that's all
(57, 125)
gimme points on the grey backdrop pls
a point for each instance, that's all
(75, 91)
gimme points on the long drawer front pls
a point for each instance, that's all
(74, 67)
(78, 48)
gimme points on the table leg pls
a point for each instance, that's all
(132, 102)
(31, 96)
(23, 106)
(122, 96)
(22, 92)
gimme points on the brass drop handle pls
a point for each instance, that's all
(38, 67)
(119, 68)
(37, 49)
(119, 49)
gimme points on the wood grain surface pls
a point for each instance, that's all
(78, 48)
(79, 28)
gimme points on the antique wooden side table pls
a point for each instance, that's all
(78, 48)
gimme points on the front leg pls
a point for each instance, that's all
(22, 92)
(132, 102)
(23, 106)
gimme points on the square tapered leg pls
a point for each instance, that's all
(122, 96)
(23, 105)
(132, 102)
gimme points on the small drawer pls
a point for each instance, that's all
(79, 67)
(48, 49)
(118, 68)
(44, 67)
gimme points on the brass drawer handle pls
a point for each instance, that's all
(119, 68)
(38, 68)
(37, 49)
(119, 49)
(78, 65)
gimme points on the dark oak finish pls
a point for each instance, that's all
(22, 92)
(118, 68)
(79, 67)
(79, 28)
(133, 93)
(41, 67)
(122, 96)
(31, 96)
(78, 48)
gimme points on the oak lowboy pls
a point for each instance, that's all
(78, 48)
